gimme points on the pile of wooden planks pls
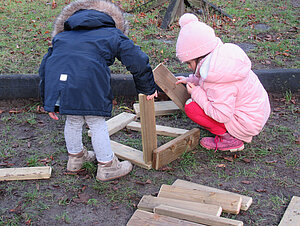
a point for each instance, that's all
(188, 203)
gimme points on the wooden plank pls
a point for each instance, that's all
(148, 126)
(141, 218)
(193, 216)
(25, 173)
(149, 202)
(170, 13)
(181, 8)
(246, 200)
(127, 153)
(291, 216)
(118, 122)
(176, 147)
(230, 203)
(166, 81)
(161, 108)
(160, 130)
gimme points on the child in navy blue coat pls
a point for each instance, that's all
(75, 79)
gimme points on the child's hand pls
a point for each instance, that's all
(53, 115)
(150, 97)
(190, 86)
(181, 79)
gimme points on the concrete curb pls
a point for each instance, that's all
(27, 86)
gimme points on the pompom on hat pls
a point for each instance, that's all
(195, 38)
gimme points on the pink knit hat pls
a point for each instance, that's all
(195, 38)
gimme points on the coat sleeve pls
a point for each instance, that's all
(137, 62)
(217, 103)
(42, 73)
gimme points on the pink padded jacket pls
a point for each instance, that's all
(230, 92)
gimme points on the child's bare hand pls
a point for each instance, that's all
(53, 115)
(150, 97)
(181, 79)
(190, 86)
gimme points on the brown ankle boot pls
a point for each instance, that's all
(76, 161)
(113, 169)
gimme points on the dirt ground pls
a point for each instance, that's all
(267, 170)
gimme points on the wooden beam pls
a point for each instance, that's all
(180, 9)
(176, 147)
(160, 130)
(148, 127)
(291, 216)
(141, 217)
(246, 200)
(161, 108)
(229, 203)
(166, 81)
(127, 153)
(25, 173)
(118, 122)
(194, 216)
(149, 202)
(170, 14)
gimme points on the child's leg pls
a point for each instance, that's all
(73, 133)
(100, 138)
(73, 137)
(196, 114)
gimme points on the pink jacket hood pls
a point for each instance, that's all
(230, 92)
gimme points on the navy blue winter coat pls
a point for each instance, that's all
(76, 68)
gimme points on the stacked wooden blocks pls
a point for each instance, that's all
(188, 203)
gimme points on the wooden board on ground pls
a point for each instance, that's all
(149, 202)
(160, 130)
(166, 81)
(230, 203)
(195, 216)
(291, 216)
(127, 153)
(246, 201)
(148, 127)
(141, 217)
(25, 173)
(176, 147)
(161, 108)
(119, 122)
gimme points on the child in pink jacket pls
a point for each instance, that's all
(227, 97)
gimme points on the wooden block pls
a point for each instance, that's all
(246, 200)
(148, 127)
(118, 122)
(166, 81)
(161, 108)
(230, 203)
(160, 130)
(127, 153)
(141, 218)
(149, 202)
(176, 147)
(193, 216)
(25, 173)
(291, 216)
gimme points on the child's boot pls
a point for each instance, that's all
(224, 142)
(113, 169)
(76, 161)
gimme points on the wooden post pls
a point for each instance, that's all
(148, 127)
(166, 81)
(170, 14)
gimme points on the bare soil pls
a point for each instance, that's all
(267, 170)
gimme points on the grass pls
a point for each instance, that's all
(26, 27)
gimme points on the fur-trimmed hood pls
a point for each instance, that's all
(100, 5)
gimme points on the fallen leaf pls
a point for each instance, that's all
(246, 182)
(221, 165)
(270, 162)
(246, 160)
(230, 159)
(166, 168)
(1, 111)
(298, 140)
(260, 190)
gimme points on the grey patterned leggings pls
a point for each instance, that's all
(99, 132)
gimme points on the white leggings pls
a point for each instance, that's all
(99, 132)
